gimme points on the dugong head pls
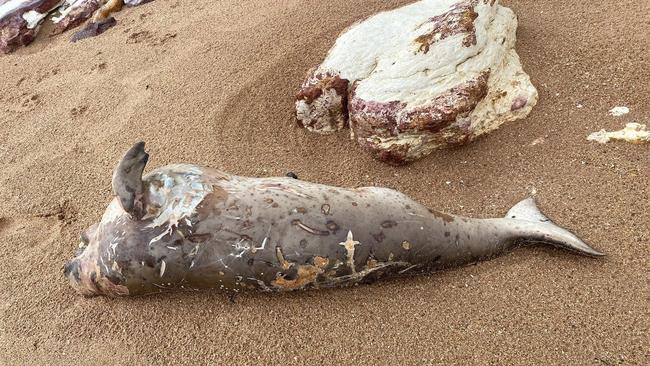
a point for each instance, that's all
(129, 249)
(96, 269)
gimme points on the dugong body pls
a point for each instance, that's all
(191, 227)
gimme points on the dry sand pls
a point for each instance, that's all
(213, 83)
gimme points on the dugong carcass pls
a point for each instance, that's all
(190, 227)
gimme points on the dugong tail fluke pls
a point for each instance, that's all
(534, 226)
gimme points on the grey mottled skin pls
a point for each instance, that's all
(204, 229)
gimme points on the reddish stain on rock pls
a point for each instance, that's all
(519, 103)
(76, 16)
(458, 20)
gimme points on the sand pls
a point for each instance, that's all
(213, 84)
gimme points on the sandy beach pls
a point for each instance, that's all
(213, 83)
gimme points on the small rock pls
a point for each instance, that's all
(538, 141)
(619, 111)
(94, 29)
(633, 132)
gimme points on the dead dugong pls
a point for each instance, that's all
(190, 227)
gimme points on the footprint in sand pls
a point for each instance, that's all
(143, 16)
(4, 222)
(149, 38)
(32, 232)
(48, 74)
(26, 102)
(78, 111)
(138, 37)
(100, 67)
(11, 227)
(31, 102)
(63, 214)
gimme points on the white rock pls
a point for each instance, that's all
(10, 6)
(20, 21)
(619, 111)
(634, 133)
(66, 8)
(428, 75)
(33, 18)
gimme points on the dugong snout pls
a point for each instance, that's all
(87, 274)
(81, 278)
(89, 280)
(71, 269)
(73, 272)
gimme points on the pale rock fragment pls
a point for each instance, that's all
(74, 13)
(633, 132)
(619, 111)
(20, 21)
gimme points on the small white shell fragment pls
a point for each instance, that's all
(619, 111)
(538, 141)
(634, 133)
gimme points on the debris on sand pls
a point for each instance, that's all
(619, 111)
(634, 133)
(73, 13)
(20, 20)
(93, 29)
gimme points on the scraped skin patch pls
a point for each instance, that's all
(633, 133)
(430, 75)
(206, 229)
